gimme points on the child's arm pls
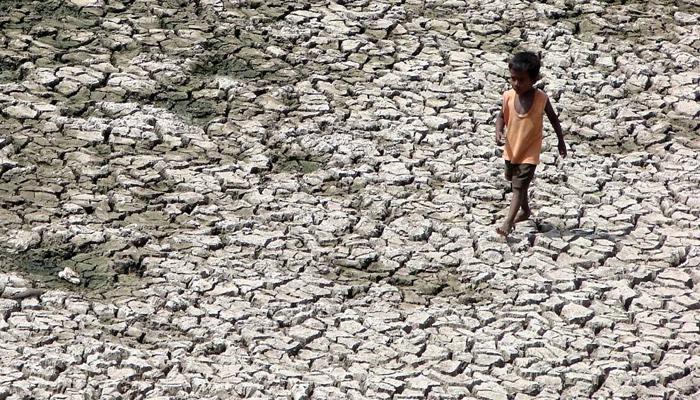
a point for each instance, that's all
(554, 120)
(500, 124)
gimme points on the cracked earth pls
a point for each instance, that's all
(297, 200)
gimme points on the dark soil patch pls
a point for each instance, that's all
(97, 273)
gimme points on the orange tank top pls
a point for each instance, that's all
(523, 131)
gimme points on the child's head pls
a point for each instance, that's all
(524, 70)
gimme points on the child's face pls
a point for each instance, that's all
(521, 81)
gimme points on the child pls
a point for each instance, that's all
(521, 113)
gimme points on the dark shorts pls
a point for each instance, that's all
(520, 175)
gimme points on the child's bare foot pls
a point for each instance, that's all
(505, 229)
(522, 216)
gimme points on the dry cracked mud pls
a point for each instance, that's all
(297, 200)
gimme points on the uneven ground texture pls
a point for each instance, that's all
(297, 200)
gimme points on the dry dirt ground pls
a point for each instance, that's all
(297, 200)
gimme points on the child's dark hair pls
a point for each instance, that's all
(526, 61)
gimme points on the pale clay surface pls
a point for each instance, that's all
(285, 200)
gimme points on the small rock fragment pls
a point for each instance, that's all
(69, 275)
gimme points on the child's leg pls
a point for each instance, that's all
(522, 177)
(525, 211)
(515, 204)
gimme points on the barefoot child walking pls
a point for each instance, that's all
(522, 114)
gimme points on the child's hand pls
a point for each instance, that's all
(562, 148)
(500, 140)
